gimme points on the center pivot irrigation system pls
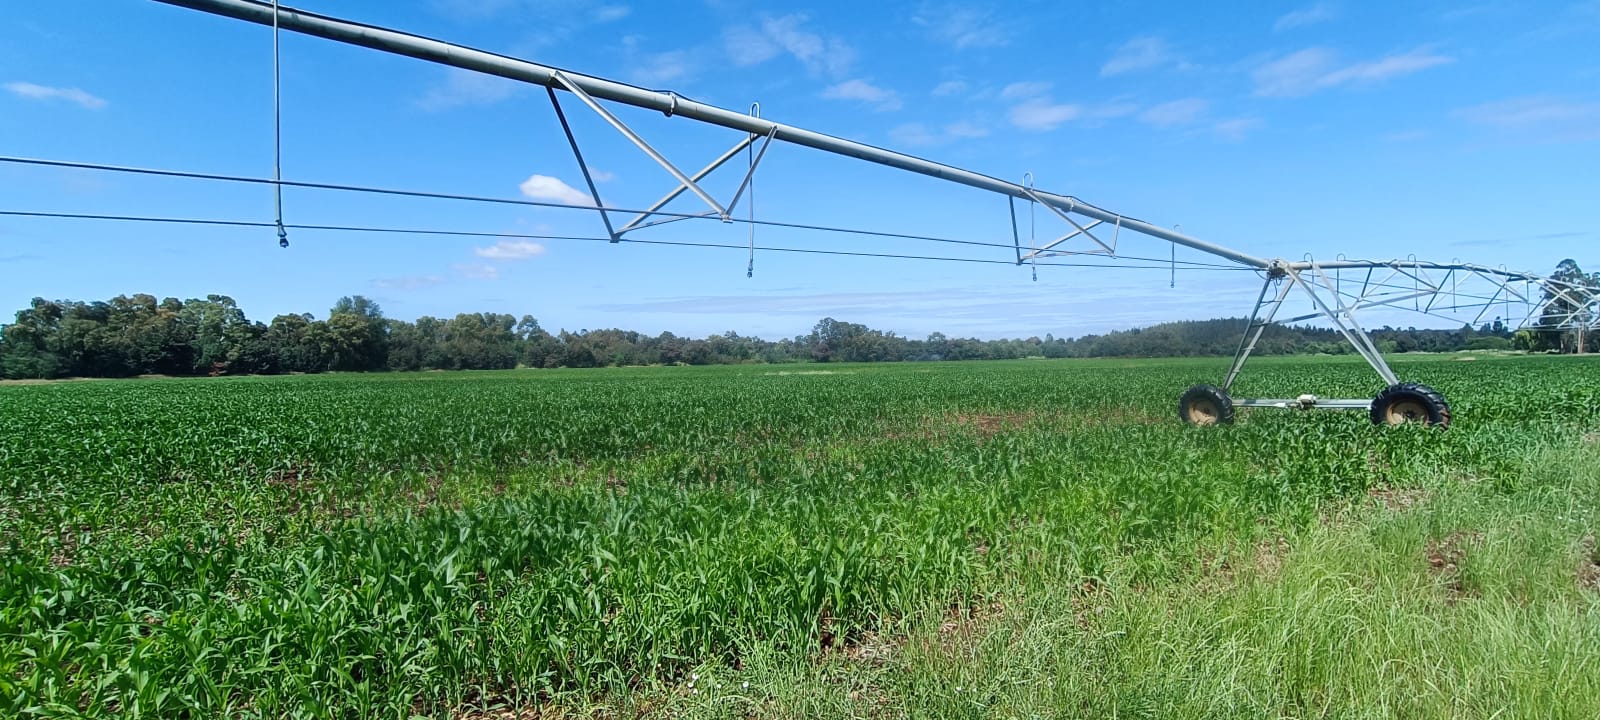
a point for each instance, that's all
(1337, 289)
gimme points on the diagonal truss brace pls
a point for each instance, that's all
(1344, 318)
(685, 182)
(1314, 281)
(1078, 230)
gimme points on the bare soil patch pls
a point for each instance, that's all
(1397, 498)
(986, 425)
(1588, 565)
(1222, 572)
(1445, 556)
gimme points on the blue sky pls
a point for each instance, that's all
(1445, 130)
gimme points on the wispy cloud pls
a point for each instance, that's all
(1313, 69)
(72, 95)
(920, 135)
(1545, 238)
(565, 14)
(1043, 114)
(510, 250)
(1038, 111)
(659, 68)
(544, 187)
(611, 13)
(1319, 13)
(881, 99)
(1235, 129)
(949, 87)
(1140, 53)
(462, 88)
(752, 45)
(1026, 89)
(477, 271)
(963, 26)
(1177, 112)
(1540, 117)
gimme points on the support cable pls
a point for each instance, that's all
(463, 233)
(537, 203)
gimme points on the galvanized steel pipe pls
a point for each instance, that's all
(466, 58)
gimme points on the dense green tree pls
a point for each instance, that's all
(360, 334)
(1565, 316)
(134, 334)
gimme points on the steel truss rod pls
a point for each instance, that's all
(1346, 325)
(588, 179)
(593, 88)
(565, 83)
(697, 177)
(1258, 325)
(1080, 230)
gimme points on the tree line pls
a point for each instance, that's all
(138, 335)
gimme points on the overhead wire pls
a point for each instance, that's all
(582, 238)
(217, 177)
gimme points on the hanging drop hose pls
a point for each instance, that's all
(750, 153)
(277, 133)
(1033, 241)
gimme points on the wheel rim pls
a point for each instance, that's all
(1203, 411)
(1406, 410)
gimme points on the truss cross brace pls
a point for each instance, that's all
(1079, 229)
(685, 182)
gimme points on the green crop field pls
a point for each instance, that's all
(997, 539)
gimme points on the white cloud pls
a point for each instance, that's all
(1313, 69)
(1140, 53)
(963, 26)
(465, 88)
(544, 187)
(611, 13)
(1177, 112)
(1109, 110)
(1235, 129)
(601, 176)
(858, 89)
(787, 34)
(1039, 111)
(477, 271)
(915, 134)
(1318, 13)
(510, 250)
(1019, 90)
(948, 88)
(1387, 67)
(661, 68)
(44, 92)
(919, 135)
(1540, 116)
(966, 130)
(748, 46)
(1043, 114)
